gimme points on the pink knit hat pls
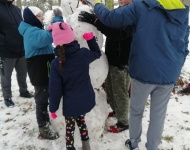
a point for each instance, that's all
(62, 33)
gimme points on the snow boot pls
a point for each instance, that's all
(185, 91)
(111, 114)
(26, 95)
(118, 127)
(9, 102)
(129, 145)
(86, 145)
(47, 132)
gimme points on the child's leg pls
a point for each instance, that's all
(83, 132)
(70, 129)
(82, 128)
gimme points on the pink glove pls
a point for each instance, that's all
(88, 36)
(53, 115)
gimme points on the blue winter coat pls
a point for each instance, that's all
(36, 41)
(73, 83)
(160, 41)
(38, 51)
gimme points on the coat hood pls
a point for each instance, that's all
(70, 48)
(22, 27)
(176, 11)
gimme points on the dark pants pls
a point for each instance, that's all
(70, 129)
(41, 99)
(19, 64)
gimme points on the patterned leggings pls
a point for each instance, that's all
(70, 129)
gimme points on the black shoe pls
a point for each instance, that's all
(118, 127)
(129, 145)
(9, 102)
(26, 95)
(47, 132)
(185, 91)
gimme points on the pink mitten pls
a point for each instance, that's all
(53, 115)
(88, 36)
(49, 28)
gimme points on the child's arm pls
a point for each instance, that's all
(113, 33)
(58, 17)
(55, 88)
(94, 52)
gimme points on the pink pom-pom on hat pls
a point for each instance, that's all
(62, 33)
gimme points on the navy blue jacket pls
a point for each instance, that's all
(11, 42)
(117, 45)
(73, 83)
(160, 41)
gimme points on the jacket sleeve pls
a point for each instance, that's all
(94, 52)
(55, 89)
(187, 41)
(114, 33)
(117, 18)
(41, 38)
(57, 19)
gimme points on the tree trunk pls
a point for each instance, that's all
(50, 4)
(18, 4)
(109, 4)
(59, 2)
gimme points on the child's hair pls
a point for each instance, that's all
(61, 56)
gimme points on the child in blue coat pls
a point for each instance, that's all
(69, 78)
(39, 54)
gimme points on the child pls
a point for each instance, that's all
(39, 54)
(58, 16)
(69, 77)
(117, 50)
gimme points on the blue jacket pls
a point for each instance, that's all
(36, 41)
(73, 83)
(38, 51)
(57, 19)
(160, 42)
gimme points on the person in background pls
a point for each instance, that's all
(158, 51)
(70, 79)
(117, 50)
(11, 52)
(58, 16)
(39, 54)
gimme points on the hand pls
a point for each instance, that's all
(53, 115)
(87, 17)
(49, 28)
(88, 36)
(57, 12)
